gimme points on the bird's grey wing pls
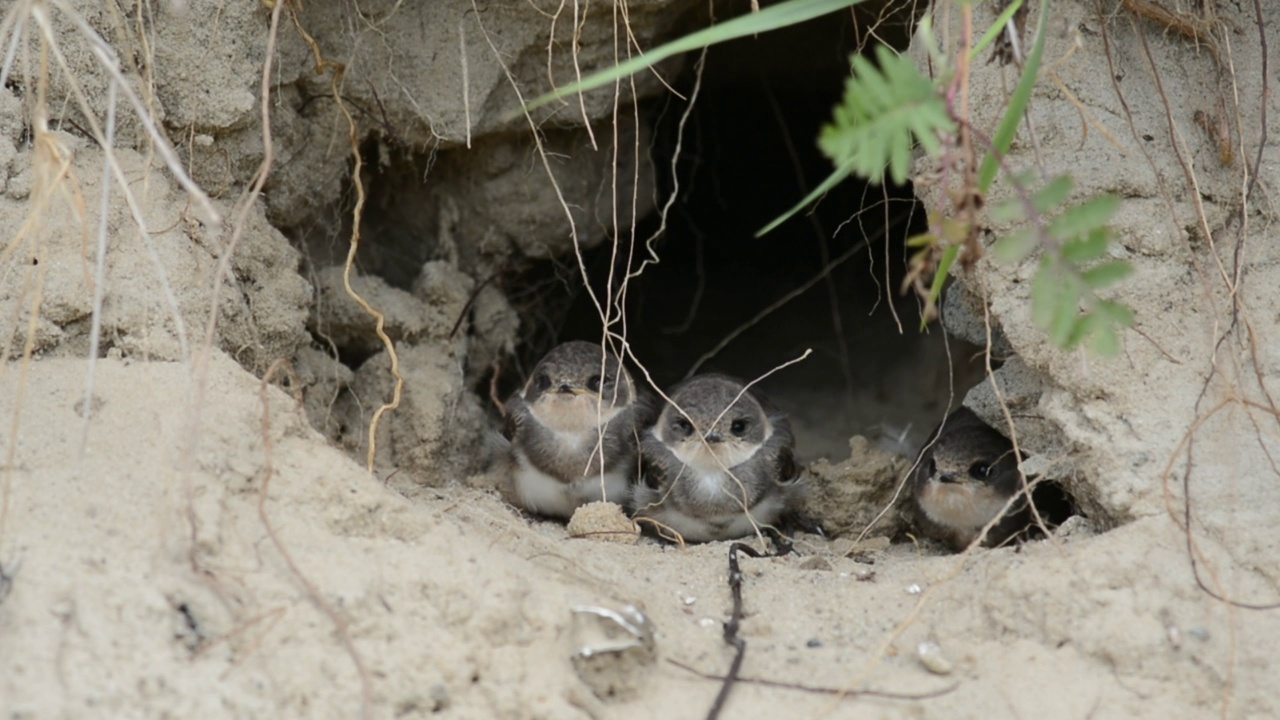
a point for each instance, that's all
(538, 444)
(781, 447)
(646, 409)
(657, 463)
(517, 412)
(622, 437)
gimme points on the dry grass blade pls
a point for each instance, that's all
(100, 273)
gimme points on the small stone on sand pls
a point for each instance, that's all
(603, 521)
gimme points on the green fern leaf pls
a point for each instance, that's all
(1091, 246)
(1108, 273)
(1081, 219)
(886, 109)
(1053, 194)
(1016, 247)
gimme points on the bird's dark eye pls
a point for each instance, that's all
(594, 383)
(682, 426)
(543, 381)
(738, 427)
(979, 471)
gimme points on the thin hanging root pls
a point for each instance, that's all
(357, 214)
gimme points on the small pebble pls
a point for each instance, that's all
(813, 643)
(930, 655)
(914, 589)
(440, 698)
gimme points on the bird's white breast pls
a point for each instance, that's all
(697, 528)
(542, 493)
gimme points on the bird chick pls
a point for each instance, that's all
(963, 482)
(717, 463)
(574, 430)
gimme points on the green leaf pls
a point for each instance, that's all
(1103, 340)
(1118, 313)
(1008, 211)
(996, 28)
(1091, 246)
(1048, 198)
(1053, 194)
(836, 177)
(1015, 247)
(872, 128)
(1044, 295)
(1080, 219)
(921, 240)
(771, 18)
(885, 107)
(1017, 106)
(1108, 273)
(1067, 313)
(940, 277)
(944, 269)
(1081, 329)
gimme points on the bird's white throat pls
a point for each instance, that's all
(710, 465)
(573, 413)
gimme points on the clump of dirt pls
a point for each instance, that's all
(603, 521)
(848, 496)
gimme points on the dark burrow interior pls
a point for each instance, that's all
(832, 274)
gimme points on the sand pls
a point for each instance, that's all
(204, 545)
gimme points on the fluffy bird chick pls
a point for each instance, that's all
(964, 480)
(719, 468)
(574, 430)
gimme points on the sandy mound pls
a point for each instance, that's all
(189, 542)
(144, 579)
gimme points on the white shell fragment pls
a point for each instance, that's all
(612, 648)
(931, 657)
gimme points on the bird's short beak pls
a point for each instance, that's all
(713, 438)
(948, 478)
(569, 390)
